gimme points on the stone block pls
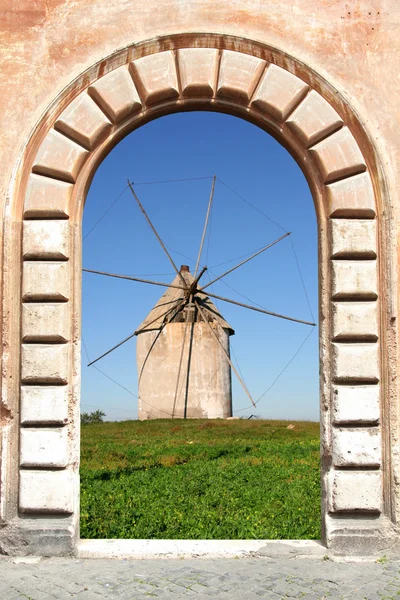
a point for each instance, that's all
(355, 491)
(46, 491)
(42, 280)
(84, 122)
(155, 77)
(45, 322)
(356, 404)
(353, 238)
(116, 94)
(352, 197)
(44, 363)
(354, 279)
(197, 69)
(278, 93)
(356, 447)
(338, 156)
(313, 119)
(357, 321)
(355, 362)
(59, 157)
(44, 404)
(239, 75)
(45, 240)
(47, 198)
(44, 447)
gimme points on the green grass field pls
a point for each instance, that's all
(200, 479)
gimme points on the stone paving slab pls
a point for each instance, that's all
(243, 578)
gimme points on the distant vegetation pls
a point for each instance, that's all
(93, 417)
(200, 479)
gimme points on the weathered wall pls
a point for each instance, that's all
(208, 386)
(322, 78)
(47, 43)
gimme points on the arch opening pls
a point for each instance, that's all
(262, 348)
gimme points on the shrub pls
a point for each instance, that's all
(93, 417)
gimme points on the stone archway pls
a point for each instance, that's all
(319, 128)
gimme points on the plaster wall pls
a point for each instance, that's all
(204, 378)
(320, 77)
(47, 44)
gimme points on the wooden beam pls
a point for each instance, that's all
(226, 354)
(205, 225)
(246, 260)
(155, 233)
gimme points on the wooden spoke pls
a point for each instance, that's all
(205, 226)
(246, 260)
(131, 335)
(181, 356)
(177, 309)
(112, 349)
(189, 362)
(168, 285)
(193, 286)
(226, 354)
(156, 234)
(261, 310)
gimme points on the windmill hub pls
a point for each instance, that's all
(192, 289)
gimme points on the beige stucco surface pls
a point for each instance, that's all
(203, 388)
(47, 43)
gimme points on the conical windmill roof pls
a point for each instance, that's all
(157, 317)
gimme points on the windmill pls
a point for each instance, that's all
(183, 353)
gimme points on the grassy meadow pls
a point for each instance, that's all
(200, 479)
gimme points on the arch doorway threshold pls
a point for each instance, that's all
(148, 549)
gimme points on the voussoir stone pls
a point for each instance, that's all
(351, 197)
(59, 157)
(84, 122)
(197, 69)
(116, 94)
(278, 93)
(338, 156)
(155, 77)
(238, 75)
(313, 119)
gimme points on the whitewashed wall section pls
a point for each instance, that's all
(269, 94)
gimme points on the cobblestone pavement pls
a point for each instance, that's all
(244, 578)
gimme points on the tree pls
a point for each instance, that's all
(93, 417)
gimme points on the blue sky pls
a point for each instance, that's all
(199, 145)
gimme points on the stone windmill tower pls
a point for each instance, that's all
(183, 357)
(182, 363)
